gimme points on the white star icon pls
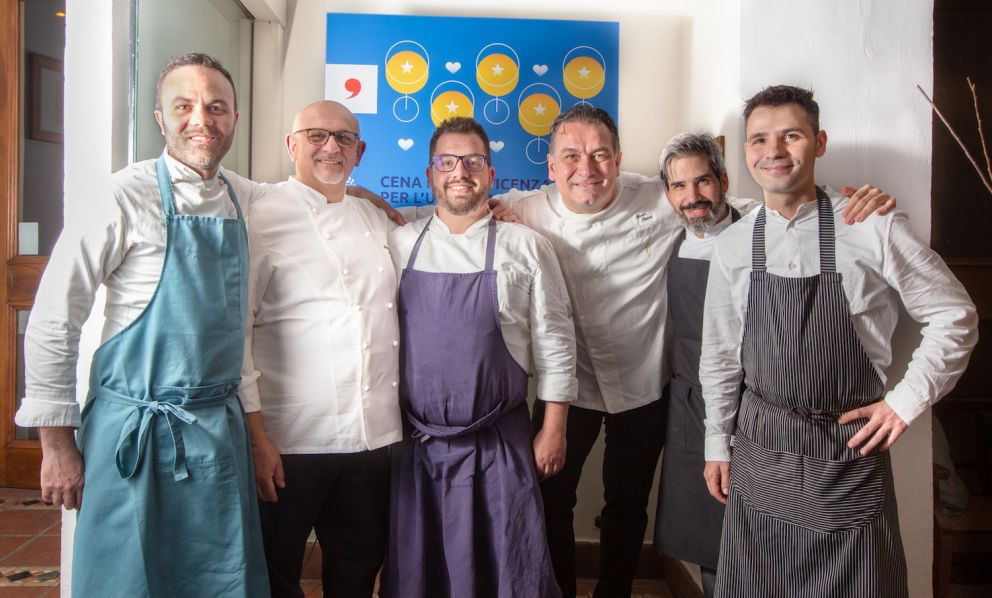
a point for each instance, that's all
(584, 73)
(539, 109)
(497, 70)
(407, 67)
(452, 107)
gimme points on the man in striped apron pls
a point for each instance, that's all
(803, 307)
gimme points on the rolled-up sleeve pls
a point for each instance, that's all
(933, 297)
(552, 330)
(720, 371)
(87, 251)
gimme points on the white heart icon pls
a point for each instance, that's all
(496, 145)
(405, 144)
(452, 67)
(540, 69)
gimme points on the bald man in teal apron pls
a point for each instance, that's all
(170, 506)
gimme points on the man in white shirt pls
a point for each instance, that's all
(169, 507)
(321, 368)
(482, 307)
(802, 308)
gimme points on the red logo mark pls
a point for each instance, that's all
(354, 86)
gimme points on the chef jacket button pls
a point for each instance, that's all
(381, 269)
(367, 387)
(327, 236)
(792, 265)
(367, 233)
(395, 383)
(174, 179)
(314, 210)
(358, 308)
(396, 343)
(389, 306)
(345, 272)
(365, 345)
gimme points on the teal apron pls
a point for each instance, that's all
(169, 505)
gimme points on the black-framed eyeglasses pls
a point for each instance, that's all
(319, 137)
(447, 162)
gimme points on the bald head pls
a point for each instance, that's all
(324, 109)
(325, 146)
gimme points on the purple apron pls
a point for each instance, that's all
(465, 511)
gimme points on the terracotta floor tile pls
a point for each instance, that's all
(42, 551)
(9, 544)
(25, 591)
(27, 522)
(55, 529)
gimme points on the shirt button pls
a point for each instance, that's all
(389, 306)
(792, 265)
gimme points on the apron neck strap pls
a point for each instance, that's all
(233, 195)
(825, 216)
(165, 188)
(490, 245)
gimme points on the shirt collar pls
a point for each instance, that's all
(312, 197)
(180, 173)
(711, 231)
(470, 231)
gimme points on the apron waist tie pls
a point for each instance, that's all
(133, 438)
(425, 431)
(802, 413)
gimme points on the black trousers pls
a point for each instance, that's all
(344, 498)
(634, 440)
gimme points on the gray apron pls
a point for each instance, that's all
(688, 520)
(806, 516)
(466, 514)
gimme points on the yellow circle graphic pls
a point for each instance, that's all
(584, 77)
(537, 112)
(450, 104)
(406, 72)
(497, 74)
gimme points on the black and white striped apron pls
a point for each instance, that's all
(806, 516)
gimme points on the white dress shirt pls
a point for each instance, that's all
(534, 312)
(615, 264)
(118, 241)
(322, 348)
(880, 261)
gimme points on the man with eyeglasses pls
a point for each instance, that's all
(320, 374)
(480, 302)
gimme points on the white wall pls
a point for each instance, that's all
(863, 60)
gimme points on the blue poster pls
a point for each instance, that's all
(402, 75)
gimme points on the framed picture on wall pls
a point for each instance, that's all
(45, 98)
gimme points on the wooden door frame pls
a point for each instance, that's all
(20, 460)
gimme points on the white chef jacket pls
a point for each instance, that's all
(880, 261)
(534, 312)
(118, 241)
(322, 348)
(615, 264)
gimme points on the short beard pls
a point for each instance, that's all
(702, 224)
(204, 159)
(462, 209)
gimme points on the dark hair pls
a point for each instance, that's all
(584, 113)
(778, 95)
(192, 59)
(692, 144)
(463, 125)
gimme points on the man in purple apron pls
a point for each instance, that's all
(479, 301)
(802, 307)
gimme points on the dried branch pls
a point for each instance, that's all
(981, 133)
(967, 153)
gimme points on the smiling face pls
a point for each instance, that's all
(696, 192)
(780, 148)
(328, 164)
(584, 166)
(197, 117)
(461, 191)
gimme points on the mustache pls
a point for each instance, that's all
(703, 203)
